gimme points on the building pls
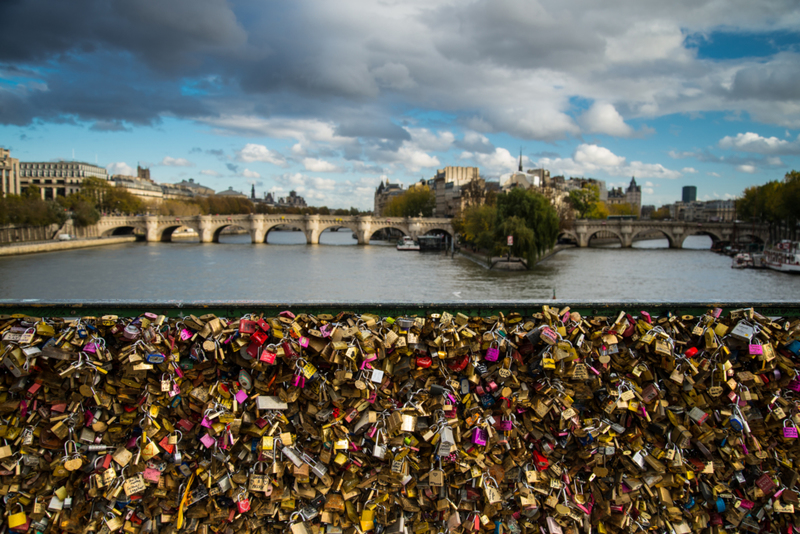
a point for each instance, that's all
(647, 211)
(293, 200)
(699, 211)
(230, 193)
(632, 195)
(383, 194)
(60, 178)
(195, 188)
(9, 174)
(525, 180)
(689, 194)
(146, 190)
(455, 188)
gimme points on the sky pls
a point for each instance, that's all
(329, 98)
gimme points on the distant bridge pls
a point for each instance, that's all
(675, 231)
(209, 227)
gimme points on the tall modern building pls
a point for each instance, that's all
(9, 174)
(689, 194)
(59, 178)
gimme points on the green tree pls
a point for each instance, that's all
(621, 209)
(476, 225)
(415, 202)
(584, 199)
(84, 213)
(537, 213)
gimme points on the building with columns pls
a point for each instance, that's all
(9, 174)
(59, 178)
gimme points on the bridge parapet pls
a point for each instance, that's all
(676, 232)
(209, 227)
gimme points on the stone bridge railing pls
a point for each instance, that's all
(675, 231)
(209, 227)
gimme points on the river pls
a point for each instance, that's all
(337, 270)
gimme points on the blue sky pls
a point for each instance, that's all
(328, 98)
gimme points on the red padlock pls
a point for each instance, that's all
(459, 364)
(424, 362)
(263, 325)
(243, 505)
(259, 338)
(247, 327)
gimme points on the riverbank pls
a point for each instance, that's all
(51, 246)
(501, 263)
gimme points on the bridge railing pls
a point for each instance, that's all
(133, 308)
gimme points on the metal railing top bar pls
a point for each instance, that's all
(231, 308)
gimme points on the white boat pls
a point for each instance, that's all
(784, 256)
(407, 244)
(742, 260)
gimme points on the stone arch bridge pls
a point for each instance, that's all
(209, 227)
(675, 231)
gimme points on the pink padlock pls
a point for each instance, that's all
(493, 352)
(208, 441)
(789, 431)
(303, 342)
(299, 381)
(794, 385)
(479, 437)
(756, 350)
(185, 334)
(206, 422)
(241, 396)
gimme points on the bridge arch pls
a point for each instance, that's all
(124, 229)
(372, 229)
(670, 238)
(165, 232)
(217, 231)
(337, 224)
(609, 230)
(713, 234)
(290, 225)
(569, 234)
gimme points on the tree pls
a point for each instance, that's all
(538, 215)
(583, 200)
(660, 214)
(414, 202)
(599, 211)
(621, 209)
(476, 225)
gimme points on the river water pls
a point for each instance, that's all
(337, 270)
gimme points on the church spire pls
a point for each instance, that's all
(520, 159)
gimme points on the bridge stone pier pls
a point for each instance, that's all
(209, 227)
(676, 232)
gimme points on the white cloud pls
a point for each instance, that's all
(588, 160)
(328, 192)
(209, 172)
(603, 118)
(714, 174)
(247, 173)
(750, 169)
(120, 167)
(176, 162)
(689, 170)
(498, 163)
(319, 165)
(433, 141)
(253, 152)
(752, 142)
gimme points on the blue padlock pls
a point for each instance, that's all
(720, 505)
(736, 424)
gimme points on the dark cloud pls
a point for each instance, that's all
(196, 150)
(217, 152)
(231, 167)
(545, 154)
(109, 126)
(779, 82)
(170, 37)
(516, 33)
(372, 127)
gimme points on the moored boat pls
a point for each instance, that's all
(742, 260)
(784, 256)
(407, 244)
